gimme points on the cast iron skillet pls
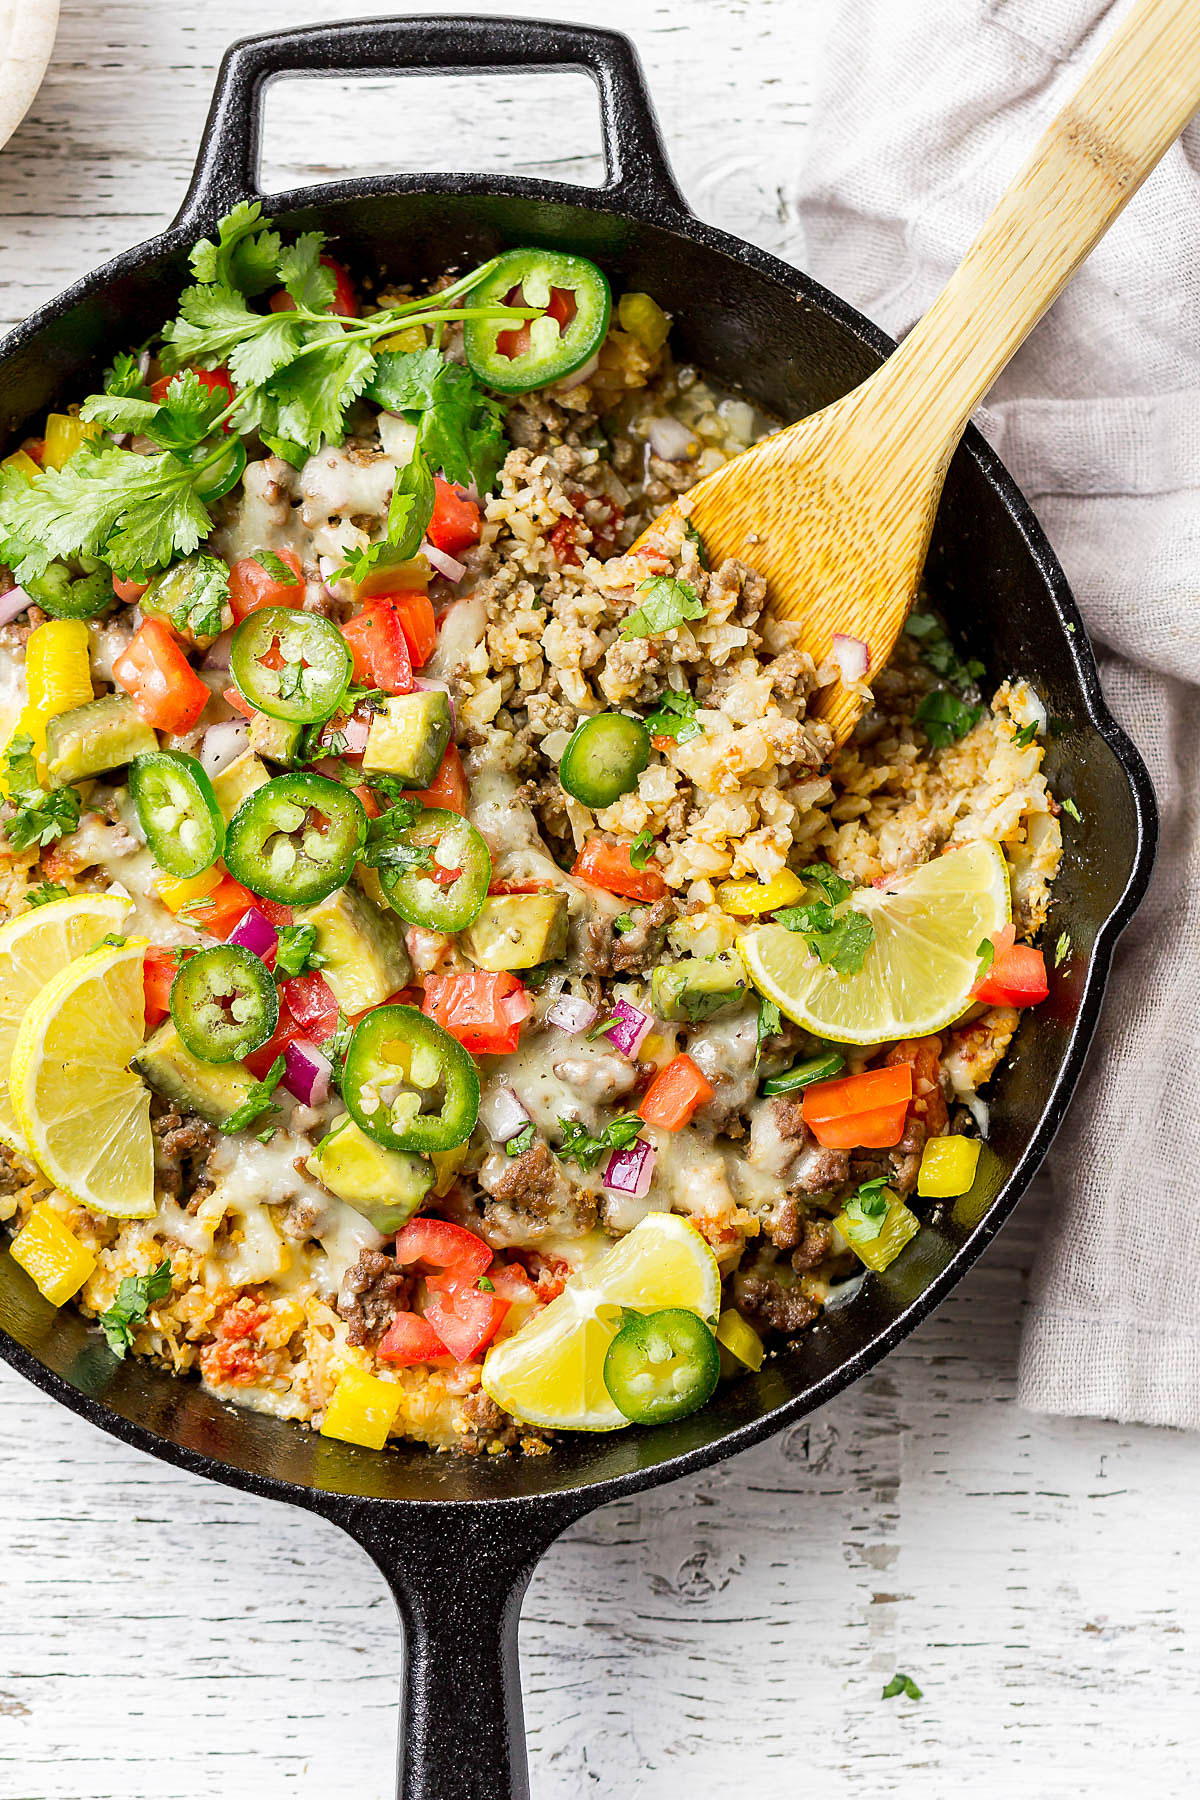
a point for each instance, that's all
(458, 1539)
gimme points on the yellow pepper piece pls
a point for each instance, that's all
(898, 1226)
(175, 893)
(447, 1163)
(948, 1166)
(643, 318)
(64, 434)
(58, 677)
(411, 338)
(361, 1410)
(739, 1338)
(747, 899)
(23, 463)
(51, 1255)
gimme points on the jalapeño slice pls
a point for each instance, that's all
(577, 302)
(409, 1084)
(178, 811)
(803, 1074)
(296, 839)
(224, 1003)
(603, 759)
(436, 873)
(661, 1365)
(67, 596)
(291, 665)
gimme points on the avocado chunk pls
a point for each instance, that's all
(193, 595)
(385, 1186)
(93, 738)
(696, 990)
(214, 1090)
(518, 931)
(276, 739)
(363, 949)
(245, 773)
(408, 737)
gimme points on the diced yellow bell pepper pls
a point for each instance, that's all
(898, 1226)
(643, 318)
(23, 463)
(411, 338)
(447, 1164)
(747, 899)
(64, 434)
(948, 1166)
(175, 893)
(58, 677)
(361, 1410)
(740, 1338)
(51, 1255)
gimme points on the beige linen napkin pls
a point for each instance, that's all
(924, 111)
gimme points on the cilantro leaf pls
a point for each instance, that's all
(667, 604)
(334, 1047)
(692, 534)
(460, 427)
(516, 1146)
(276, 568)
(245, 255)
(257, 1100)
(39, 817)
(1072, 811)
(831, 884)
(623, 923)
(841, 941)
(945, 717)
(1025, 735)
(182, 419)
(45, 893)
(134, 1298)
(135, 512)
(986, 953)
(939, 652)
(770, 1024)
(310, 284)
(902, 1684)
(386, 846)
(675, 716)
(295, 952)
(580, 1146)
(864, 1214)
(200, 612)
(20, 544)
(640, 849)
(409, 512)
(124, 378)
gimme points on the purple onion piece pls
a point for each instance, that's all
(507, 1115)
(254, 932)
(631, 1026)
(443, 562)
(571, 1015)
(307, 1072)
(12, 604)
(630, 1171)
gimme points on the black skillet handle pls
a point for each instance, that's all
(639, 175)
(459, 1573)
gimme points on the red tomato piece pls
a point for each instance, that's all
(519, 887)
(162, 683)
(217, 381)
(445, 1252)
(251, 587)
(129, 591)
(345, 299)
(409, 1339)
(220, 911)
(310, 999)
(607, 865)
(380, 649)
(456, 520)
(482, 1010)
(448, 788)
(158, 972)
(415, 613)
(287, 1031)
(1017, 977)
(233, 1358)
(512, 1283)
(675, 1094)
(465, 1318)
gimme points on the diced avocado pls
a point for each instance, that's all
(214, 1090)
(368, 880)
(245, 773)
(518, 931)
(363, 949)
(193, 596)
(408, 737)
(385, 1186)
(93, 738)
(696, 990)
(276, 739)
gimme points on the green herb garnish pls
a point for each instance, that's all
(770, 1024)
(1062, 949)
(45, 893)
(1073, 811)
(668, 603)
(39, 816)
(257, 1100)
(865, 1212)
(579, 1146)
(1025, 735)
(276, 568)
(690, 532)
(295, 953)
(516, 1146)
(640, 849)
(946, 717)
(675, 717)
(134, 1298)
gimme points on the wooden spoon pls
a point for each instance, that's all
(837, 510)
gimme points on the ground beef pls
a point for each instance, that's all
(532, 1200)
(487, 1424)
(773, 1305)
(815, 1244)
(630, 952)
(373, 1289)
(12, 1179)
(181, 1145)
(792, 1229)
(783, 1145)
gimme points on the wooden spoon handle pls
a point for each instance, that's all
(1133, 102)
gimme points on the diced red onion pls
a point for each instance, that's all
(356, 730)
(12, 603)
(851, 655)
(254, 931)
(579, 377)
(630, 1028)
(223, 744)
(571, 1015)
(670, 439)
(630, 1171)
(217, 654)
(307, 1072)
(141, 445)
(516, 1006)
(505, 1115)
(449, 566)
(327, 564)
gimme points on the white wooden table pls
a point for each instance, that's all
(160, 1636)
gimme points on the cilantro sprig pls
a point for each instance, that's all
(296, 952)
(578, 1144)
(866, 1211)
(134, 1298)
(668, 602)
(945, 713)
(840, 939)
(44, 893)
(675, 716)
(39, 816)
(257, 1101)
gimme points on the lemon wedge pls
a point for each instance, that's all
(33, 948)
(918, 972)
(85, 1117)
(551, 1371)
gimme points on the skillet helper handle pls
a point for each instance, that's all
(639, 177)
(459, 1573)
(1130, 107)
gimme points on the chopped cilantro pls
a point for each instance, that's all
(516, 1146)
(39, 816)
(668, 603)
(944, 713)
(939, 652)
(257, 1100)
(409, 512)
(864, 1213)
(201, 610)
(45, 893)
(640, 849)
(841, 941)
(334, 1047)
(834, 886)
(902, 1684)
(579, 1146)
(986, 953)
(134, 1298)
(1062, 949)
(276, 568)
(459, 425)
(1025, 734)
(690, 532)
(622, 923)
(1070, 808)
(770, 1024)
(675, 717)
(602, 1027)
(946, 717)
(295, 953)
(485, 1286)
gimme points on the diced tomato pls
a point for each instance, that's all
(662, 743)
(233, 1358)
(217, 381)
(512, 1284)
(415, 613)
(443, 1252)
(1017, 977)
(448, 789)
(482, 1010)
(465, 1318)
(274, 912)
(564, 543)
(251, 587)
(380, 649)
(310, 1000)
(409, 1339)
(367, 801)
(345, 300)
(240, 704)
(220, 911)
(155, 672)
(675, 1094)
(456, 520)
(129, 591)
(287, 1031)
(566, 538)
(860, 1110)
(607, 865)
(158, 972)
